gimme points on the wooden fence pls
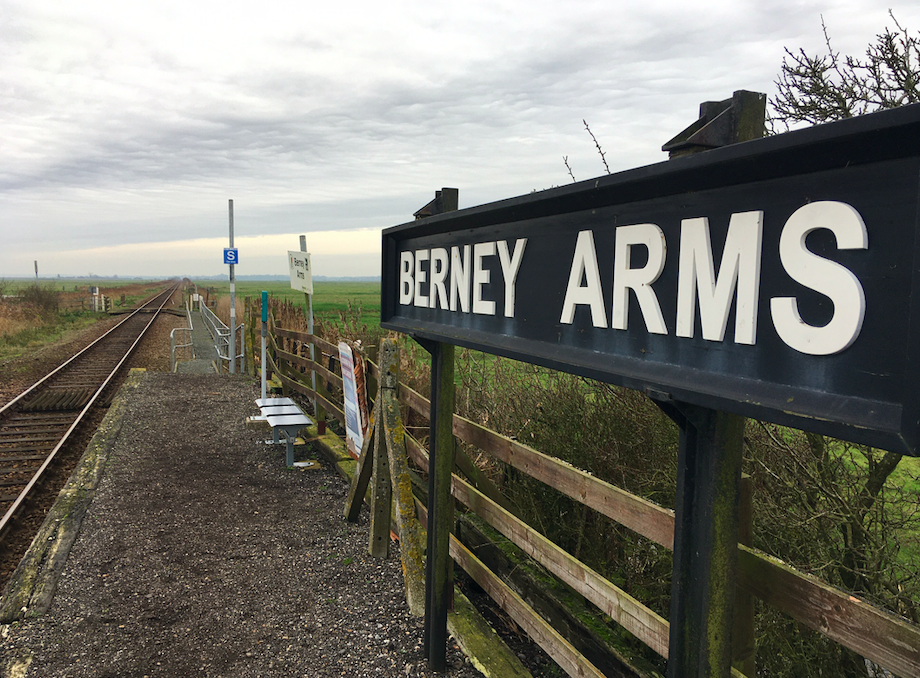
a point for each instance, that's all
(882, 637)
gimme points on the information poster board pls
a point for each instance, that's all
(354, 438)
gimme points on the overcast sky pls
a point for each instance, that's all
(125, 126)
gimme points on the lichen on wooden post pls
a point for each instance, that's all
(743, 639)
(393, 432)
(381, 502)
(439, 570)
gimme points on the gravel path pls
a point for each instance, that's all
(202, 555)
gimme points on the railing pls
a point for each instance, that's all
(220, 335)
(172, 339)
(880, 636)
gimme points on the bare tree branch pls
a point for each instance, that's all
(599, 149)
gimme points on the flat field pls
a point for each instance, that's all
(73, 284)
(329, 297)
(59, 307)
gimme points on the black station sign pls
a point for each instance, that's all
(777, 279)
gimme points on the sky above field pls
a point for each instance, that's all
(125, 127)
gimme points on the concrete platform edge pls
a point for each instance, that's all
(477, 639)
(32, 586)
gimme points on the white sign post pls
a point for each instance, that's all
(302, 279)
(301, 273)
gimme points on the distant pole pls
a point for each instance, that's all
(36, 269)
(264, 339)
(232, 350)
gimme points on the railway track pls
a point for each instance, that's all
(35, 425)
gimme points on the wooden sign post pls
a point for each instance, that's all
(707, 503)
(439, 579)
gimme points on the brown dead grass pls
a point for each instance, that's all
(16, 317)
(223, 309)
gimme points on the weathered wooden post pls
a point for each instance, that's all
(439, 570)
(705, 540)
(439, 566)
(381, 501)
(743, 646)
(386, 441)
(393, 436)
(708, 464)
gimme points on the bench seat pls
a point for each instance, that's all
(285, 418)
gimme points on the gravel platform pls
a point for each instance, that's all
(203, 555)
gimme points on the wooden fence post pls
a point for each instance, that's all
(743, 647)
(393, 434)
(381, 502)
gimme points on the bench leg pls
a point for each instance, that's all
(290, 449)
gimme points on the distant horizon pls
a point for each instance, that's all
(223, 276)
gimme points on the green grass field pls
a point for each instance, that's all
(71, 284)
(328, 296)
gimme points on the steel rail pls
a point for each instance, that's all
(21, 498)
(59, 368)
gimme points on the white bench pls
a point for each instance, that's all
(285, 418)
(273, 402)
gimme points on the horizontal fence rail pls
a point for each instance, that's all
(875, 634)
(882, 637)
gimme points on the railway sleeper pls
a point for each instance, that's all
(18, 482)
(28, 448)
(37, 421)
(18, 470)
(24, 457)
(59, 400)
(20, 439)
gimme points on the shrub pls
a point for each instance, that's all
(43, 298)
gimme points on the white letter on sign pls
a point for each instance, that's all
(639, 280)
(438, 275)
(420, 256)
(460, 278)
(481, 278)
(822, 275)
(511, 262)
(696, 277)
(406, 284)
(584, 264)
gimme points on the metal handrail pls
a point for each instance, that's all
(220, 335)
(172, 338)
